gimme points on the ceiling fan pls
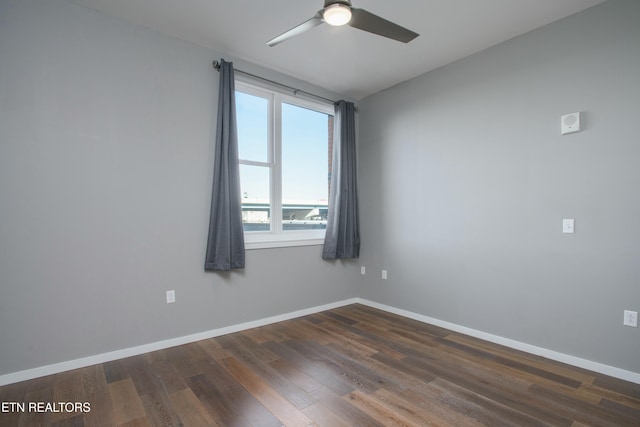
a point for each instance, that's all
(340, 12)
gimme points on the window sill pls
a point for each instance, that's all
(268, 240)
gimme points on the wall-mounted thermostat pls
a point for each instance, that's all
(570, 123)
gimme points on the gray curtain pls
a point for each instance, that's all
(225, 244)
(342, 238)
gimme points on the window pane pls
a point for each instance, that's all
(252, 115)
(305, 167)
(254, 185)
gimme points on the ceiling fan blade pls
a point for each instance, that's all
(367, 21)
(305, 26)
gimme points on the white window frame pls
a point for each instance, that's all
(277, 237)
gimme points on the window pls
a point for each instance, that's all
(284, 146)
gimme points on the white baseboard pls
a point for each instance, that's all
(56, 368)
(159, 345)
(517, 345)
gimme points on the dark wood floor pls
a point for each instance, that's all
(351, 366)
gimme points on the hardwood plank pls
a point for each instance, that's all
(581, 411)
(276, 332)
(400, 344)
(144, 378)
(159, 409)
(138, 422)
(405, 368)
(214, 349)
(316, 369)
(312, 332)
(299, 331)
(148, 372)
(270, 398)
(167, 376)
(334, 314)
(247, 345)
(436, 410)
(344, 410)
(598, 393)
(190, 410)
(68, 387)
(633, 413)
(366, 379)
(224, 412)
(11, 395)
(296, 376)
(74, 421)
(314, 318)
(259, 335)
(353, 313)
(372, 339)
(618, 386)
(340, 366)
(33, 418)
(116, 370)
(383, 317)
(323, 417)
(125, 401)
(524, 367)
(185, 359)
(229, 400)
(389, 376)
(284, 386)
(422, 409)
(562, 369)
(512, 394)
(97, 395)
(346, 339)
(155, 356)
(382, 413)
(481, 408)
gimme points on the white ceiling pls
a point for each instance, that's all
(342, 59)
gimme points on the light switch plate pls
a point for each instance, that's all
(171, 297)
(568, 226)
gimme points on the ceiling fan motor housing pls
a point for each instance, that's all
(328, 3)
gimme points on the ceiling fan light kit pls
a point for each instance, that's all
(337, 14)
(341, 12)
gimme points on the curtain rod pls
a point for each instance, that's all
(216, 65)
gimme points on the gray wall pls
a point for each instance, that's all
(465, 180)
(105, 179)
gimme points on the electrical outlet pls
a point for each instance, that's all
(384, 274)
(171, 297)
(630, 318)
(363, 270)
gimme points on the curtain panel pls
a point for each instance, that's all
(342, 238)
(225, 243)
